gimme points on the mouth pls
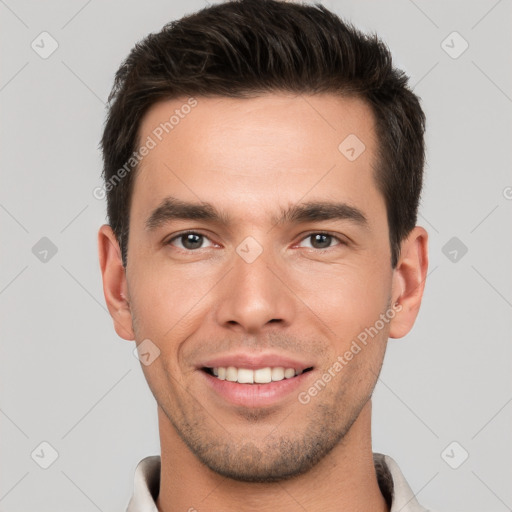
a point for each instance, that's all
(252, 380)
(263, 375)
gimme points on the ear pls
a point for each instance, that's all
(114, 282)
(409, 281)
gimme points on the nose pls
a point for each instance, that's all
(255, 296)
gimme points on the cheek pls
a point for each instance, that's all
(346, 297)
(165, 297)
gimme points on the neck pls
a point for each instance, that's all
(344, 480)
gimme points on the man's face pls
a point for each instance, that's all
(254, 290)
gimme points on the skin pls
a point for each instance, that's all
(250, 158)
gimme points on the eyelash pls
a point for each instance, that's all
(308, 235)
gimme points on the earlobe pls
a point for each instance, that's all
(114, 282)
(409, 281)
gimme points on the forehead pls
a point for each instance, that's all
(257, 154)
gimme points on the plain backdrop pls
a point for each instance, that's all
(442, 407)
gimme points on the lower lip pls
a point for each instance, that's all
(255, 395)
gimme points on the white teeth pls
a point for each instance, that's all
(258, 376)
(289, 373)
(231, 374)
(278, 373)
(245, 376)
(262, 375)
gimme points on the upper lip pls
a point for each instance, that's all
(254, 361)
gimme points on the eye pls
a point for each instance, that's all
(189, 241)
(322, 240)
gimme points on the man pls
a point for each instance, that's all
(263, 167)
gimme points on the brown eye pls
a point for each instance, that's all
(188, 241)
(322, 240)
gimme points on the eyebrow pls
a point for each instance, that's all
(172, 208)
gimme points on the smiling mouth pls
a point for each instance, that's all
(254, 376)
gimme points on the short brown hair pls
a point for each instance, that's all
(245, 48)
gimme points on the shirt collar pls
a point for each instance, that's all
(392, 483)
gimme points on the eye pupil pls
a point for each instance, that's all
(323, 239)
(191, 240)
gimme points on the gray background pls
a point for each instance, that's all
(68, 380)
